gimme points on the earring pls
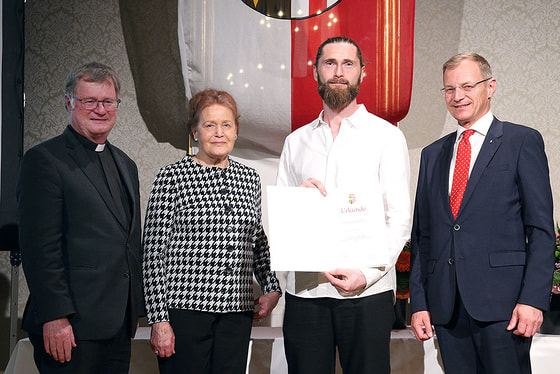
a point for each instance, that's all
(196, 139)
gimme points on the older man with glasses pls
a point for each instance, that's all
(483, 235)
(79, 225)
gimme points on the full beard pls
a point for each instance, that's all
(337, 99)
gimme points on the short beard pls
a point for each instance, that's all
(337, 99)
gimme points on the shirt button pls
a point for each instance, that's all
(457, 227)
(451, 261)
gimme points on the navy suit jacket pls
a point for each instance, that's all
(500, 249)
(81, 260)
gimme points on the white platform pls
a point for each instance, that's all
(408, 356)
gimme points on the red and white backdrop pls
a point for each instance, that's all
(262, 51)
(266, 61)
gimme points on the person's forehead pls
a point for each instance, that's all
(341, 50)
(85, 85)
(466, 69)
(86, 82)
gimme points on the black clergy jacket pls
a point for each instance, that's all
(81, 259)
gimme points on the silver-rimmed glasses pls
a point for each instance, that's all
(466, 87)
(92, 104)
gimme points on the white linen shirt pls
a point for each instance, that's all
(368, 153)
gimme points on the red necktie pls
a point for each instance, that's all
(461, 173)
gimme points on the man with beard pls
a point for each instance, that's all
(346, 147)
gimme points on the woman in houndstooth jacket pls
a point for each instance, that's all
(203, 241)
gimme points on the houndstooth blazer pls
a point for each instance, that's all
(203, 240)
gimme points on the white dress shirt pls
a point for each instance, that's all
(368, 153)
(480, 128)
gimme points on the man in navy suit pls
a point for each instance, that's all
(482, 254)
(79, 226)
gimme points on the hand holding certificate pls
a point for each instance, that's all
(312, 232)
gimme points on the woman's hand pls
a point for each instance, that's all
(163, 339)
(266, 303)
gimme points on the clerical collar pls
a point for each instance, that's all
(92, 146)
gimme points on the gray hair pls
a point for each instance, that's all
(483, 65)
(91, 72)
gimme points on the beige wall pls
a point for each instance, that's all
(520, 40)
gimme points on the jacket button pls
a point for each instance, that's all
(451, 261)
(126, 275)
(223, 190)
(229, 229)
(228, 271)
(457, 227)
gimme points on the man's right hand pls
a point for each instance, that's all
(421, 324)
(314, 183)
(58, 337)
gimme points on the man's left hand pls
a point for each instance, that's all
(346, 280)
(525, 320)
(266, 303)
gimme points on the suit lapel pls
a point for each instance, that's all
(446, 156)
(93, 173)
(492, 142)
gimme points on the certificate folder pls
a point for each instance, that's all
(312, 232)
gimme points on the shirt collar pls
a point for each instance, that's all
(481, 126)
(88, 144)
(353, 120)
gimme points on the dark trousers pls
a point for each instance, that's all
(208, 343)
(110, 356)
(472, 347)
(360, 328)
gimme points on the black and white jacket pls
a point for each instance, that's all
(203, 240)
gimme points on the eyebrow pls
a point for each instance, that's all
(335, 60)
(461, 84)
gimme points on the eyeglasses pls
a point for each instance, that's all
(91, 104)
(467, 87)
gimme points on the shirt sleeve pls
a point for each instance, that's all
(394, 178)
(285, 177)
